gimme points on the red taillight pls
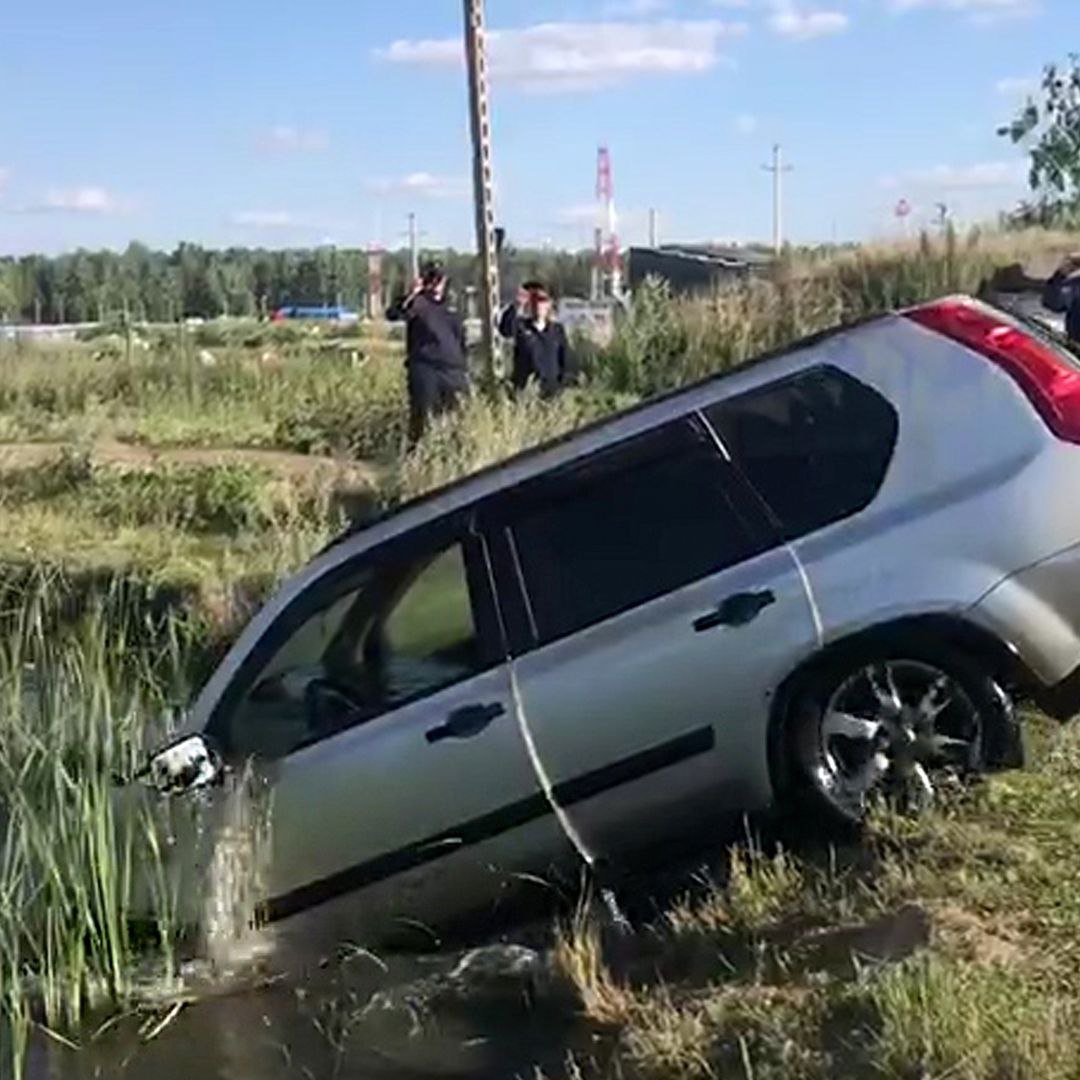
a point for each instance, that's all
(1047, 378)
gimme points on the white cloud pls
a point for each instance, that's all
(566, 56)
(1017, 85)
(746, 123)
(635, 8)
(288, 139)
(976, 10)
(789, 21)
(90, 200)
(264, 219)
(421, 185)
(982, 175)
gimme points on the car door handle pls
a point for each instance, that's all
(466, 722)
(736, 610)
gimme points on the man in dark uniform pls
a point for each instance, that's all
(1062, 295)
(436, 358)
(541, 351)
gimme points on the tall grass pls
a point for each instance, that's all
(668, 342)
(301, 401)
(77, 709)
(485, 431)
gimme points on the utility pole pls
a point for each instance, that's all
(654, 229)
(480, 124)
(375, 282)
(778, 168)
(414, 248)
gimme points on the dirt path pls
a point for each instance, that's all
(109, 452)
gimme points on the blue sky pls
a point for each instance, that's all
(327, 121)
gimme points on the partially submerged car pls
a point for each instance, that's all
(817, 579)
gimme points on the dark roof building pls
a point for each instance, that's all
(696, 267)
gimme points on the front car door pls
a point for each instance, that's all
(377, 714)
(653, 612)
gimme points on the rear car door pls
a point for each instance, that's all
(817, 446)
(377, 712)
(652, 612)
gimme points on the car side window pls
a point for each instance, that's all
(656, 514)
(815, 446)
(394, 631)
(429, 635)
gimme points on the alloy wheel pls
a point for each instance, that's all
(896, 729)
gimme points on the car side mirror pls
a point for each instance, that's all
(189, 764)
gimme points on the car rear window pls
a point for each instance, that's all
(815, 446)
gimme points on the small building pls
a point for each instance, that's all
(695, 268)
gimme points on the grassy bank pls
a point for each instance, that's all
(118, 567)
(207, 538)
(948, 946)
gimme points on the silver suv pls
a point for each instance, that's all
(819, 578)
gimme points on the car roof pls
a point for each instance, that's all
(512, 463)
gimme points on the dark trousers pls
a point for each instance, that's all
(432, 391)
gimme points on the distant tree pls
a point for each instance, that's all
(1048, 125)
(8, 294)
(158, 286)
(201, 291)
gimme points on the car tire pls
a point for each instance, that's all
(898, 722)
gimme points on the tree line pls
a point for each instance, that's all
(192, 281)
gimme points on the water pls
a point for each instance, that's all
(236, 879)
(493, 1011)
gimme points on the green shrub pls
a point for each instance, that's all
(63, 476)
(227, 498)
(339, 410)
(211, 335)
(198, 498)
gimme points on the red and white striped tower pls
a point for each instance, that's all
(608, 253)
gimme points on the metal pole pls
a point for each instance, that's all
(778, 199)
(414, 248)
(480, 123)
(653, 228)
(778, 168)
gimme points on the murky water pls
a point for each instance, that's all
(362, 1016)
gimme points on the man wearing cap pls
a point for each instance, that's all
(1062, 294)
(541, 351)
(435, 351)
